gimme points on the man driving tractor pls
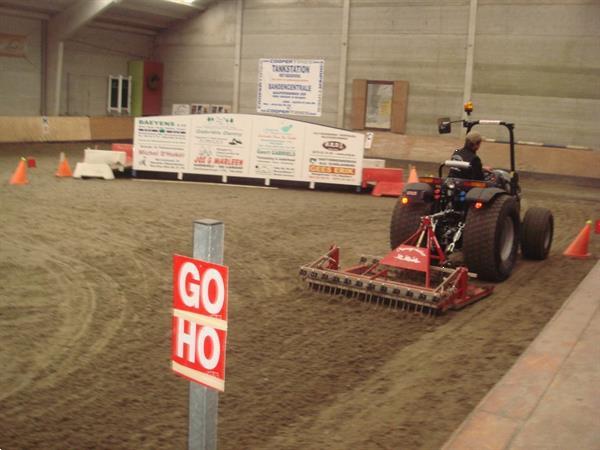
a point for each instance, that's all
(469, 154)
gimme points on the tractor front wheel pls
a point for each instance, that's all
(536, 233)
(491, 238)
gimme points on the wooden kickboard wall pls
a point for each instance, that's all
(64, 129)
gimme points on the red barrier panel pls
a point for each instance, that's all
(389, 182)
(127, 148)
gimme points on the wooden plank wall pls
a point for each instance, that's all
(64, 129)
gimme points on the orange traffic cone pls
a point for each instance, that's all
(413, 177)
(64, 170)
(20, 175)
(579, 246)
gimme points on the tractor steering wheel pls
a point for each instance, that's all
(489, 175)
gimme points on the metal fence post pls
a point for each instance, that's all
(204, 402)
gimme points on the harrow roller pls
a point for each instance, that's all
(404, 279)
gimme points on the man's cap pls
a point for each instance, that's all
(473, 137)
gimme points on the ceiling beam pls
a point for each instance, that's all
(23, 13)
(155, 11)
(184, 3)
(123, 28)
(120, 19)
(66, 23)
(32, 5)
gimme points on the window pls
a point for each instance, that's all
(119, 94)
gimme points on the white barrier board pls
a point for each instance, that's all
(278, 147)
(161, 143)
(333, 156)
(220, 145)
(248, 145)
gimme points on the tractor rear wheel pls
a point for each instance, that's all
(536, 233)
(405, 221)
(491, 238)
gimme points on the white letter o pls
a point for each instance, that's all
(208, 333)
(213, 306)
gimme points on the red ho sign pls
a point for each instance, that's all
(199, 321)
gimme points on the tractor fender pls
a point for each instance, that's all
(418, 192)
(483, 195)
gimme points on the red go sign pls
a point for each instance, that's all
(199, 321)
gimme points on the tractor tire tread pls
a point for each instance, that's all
(479, 239)
(405, 221)
(533, 233)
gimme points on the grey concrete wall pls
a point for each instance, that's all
(90, 56)
(295, 29)
(537, 63)
(199, 55)
(421, 42)
(198, 58)
(20, 78)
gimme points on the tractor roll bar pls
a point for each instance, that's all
(468, 124)
(445, 126)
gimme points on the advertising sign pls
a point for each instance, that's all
(161, 143)
(199, 321)
(333, 156)
(220, 144)
(290, 86)
(181, 109)
(246, 145)
(278, 148)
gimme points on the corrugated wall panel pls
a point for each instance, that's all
(421, 42)
(90, 56)
(198, 58)
(537, 62)
(20, 77)
(538, 65)
(292, 29)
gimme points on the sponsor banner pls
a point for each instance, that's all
(13, 45)
(290, 86)
(220, 144)
(278, 148)
(161, 143)
(248, 145)
(333, 156)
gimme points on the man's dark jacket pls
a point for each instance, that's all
(475, 172)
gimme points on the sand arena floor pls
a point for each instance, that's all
(85, 317)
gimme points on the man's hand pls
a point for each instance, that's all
(488, 175)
